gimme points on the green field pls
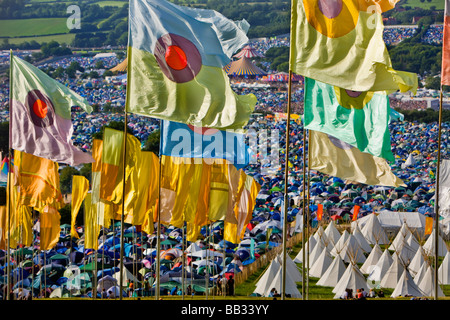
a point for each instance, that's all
(32, 27)
(111, 3)
(60, 38)
(439, 4)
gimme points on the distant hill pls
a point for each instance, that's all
(29, 23)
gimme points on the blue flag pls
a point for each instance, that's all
(187, 141)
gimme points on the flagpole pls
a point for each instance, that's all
(304, 248)
(122, 218)
(308, 214)
(436, 222)
(8, 251)
(286, 175)
(158, 227)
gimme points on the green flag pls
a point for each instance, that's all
(358, 118)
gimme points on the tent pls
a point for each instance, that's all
(334, 272)
(429, 245)
(244, 67)
(352, 251)
(417, 261)
(340, 244)
(248, 52)
(290, 285)
(427, 284)
(362, 241)
(380, 269)
(390, 279)
(121, 67)
(321, 264)
(406, 286)
(332, 233)
(309, 245)
(373, 231)
(372, 259)
(262, 285)
(444, 270)
(351, 279)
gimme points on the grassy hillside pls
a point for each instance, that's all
(32, 27)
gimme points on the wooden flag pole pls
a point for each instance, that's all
(8, 250)
(122, 218)
(158, 227)
(286, 176)
(304, 217)
(436, 221)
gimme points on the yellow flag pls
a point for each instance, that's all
(245, 203)
(331, 156)
(3, 227)
(80, 188)
(91, 224)
(49, 228)
(38, 181)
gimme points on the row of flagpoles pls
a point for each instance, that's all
(171, 76)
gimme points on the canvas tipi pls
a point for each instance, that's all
(333, 274)
(321, 264)
(406, 286)
(351, 279)
(372, 259)
(374, 232)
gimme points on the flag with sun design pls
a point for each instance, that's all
(340, 42)
(40, 115)
(358, 118)
(176, 57)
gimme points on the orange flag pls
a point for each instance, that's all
(428, 225)
(445, 72)
(355, 212)
(319, 211)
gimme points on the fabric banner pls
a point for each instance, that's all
(41, 115)
(80, 188)
(336, 158)
(445, 72)
(341, 43)
(187, 141)
(357, 118)
(176, 56)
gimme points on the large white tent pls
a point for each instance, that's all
(372, 259)
(322, 263)
(444, 270)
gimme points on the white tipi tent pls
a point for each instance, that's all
(291, 268)
(444, 270)
(267, 277)
(352, 252)
(429, 245)
(334, 272)
(363, 243)
(372, 259)
(351, 279)
(340, 244)
(406, 286)
(427, 284)
(309, 246)
(417, 261)
(422, 270)
(332, 233)
(374, 232)
(393, 274)
(290, 285)
(321, 264)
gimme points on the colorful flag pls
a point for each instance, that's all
(445, 72)
(428, 225)
(341, 43)
(176, 57)
(356, 209)
(38, 181)
(319, 211)
(336, 158)
(92, 223)
(188, 141)
(80, 188)
(357, 118)
(41, 115)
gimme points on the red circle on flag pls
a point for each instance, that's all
(178, 58)
(40, 108)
